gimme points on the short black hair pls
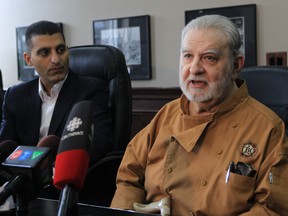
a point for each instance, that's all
(42, 28)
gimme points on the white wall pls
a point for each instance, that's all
(167, 20)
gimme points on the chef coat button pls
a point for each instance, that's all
(233, 124)
(204, 183)
(219, 152)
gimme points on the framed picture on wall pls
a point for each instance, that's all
(244, 17)
(25, 72)
(132, 36)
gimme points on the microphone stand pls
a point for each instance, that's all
(16, 187)
(68, 202)
(22, 204)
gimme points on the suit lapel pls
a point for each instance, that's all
(33, 111)
(64, 103)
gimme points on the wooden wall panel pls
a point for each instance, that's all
(146, 102)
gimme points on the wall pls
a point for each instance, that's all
(167, 20)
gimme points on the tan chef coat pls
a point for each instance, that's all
(186, 158)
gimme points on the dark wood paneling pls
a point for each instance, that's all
(146, 102)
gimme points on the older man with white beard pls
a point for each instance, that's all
(215, 150)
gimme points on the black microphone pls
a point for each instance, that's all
(33, 170)
(6, 148)
(72, 160)
(52, 142)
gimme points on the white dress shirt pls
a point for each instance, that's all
(48, 104)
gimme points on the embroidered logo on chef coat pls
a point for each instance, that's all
(248, 149)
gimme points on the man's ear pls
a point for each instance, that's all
(238, 65)
(27, 58)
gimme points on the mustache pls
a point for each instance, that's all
(59, 67)
(196, 79)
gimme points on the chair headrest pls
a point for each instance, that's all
(97, 61)
(268, 84)
(108, 63)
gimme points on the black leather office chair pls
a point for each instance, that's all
(107, 63)
(269, 85)
(1, 95)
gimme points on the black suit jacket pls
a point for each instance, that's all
(22, 112)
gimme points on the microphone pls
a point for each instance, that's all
(52, 142)
(72, 160)
(6, 148)
(32, 168)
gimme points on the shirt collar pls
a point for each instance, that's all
(195, 125)
(54, 91)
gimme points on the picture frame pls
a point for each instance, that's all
(244, 16)
(25, 72)
(132, 36)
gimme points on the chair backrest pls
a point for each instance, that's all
(108, 63)
(1, 94)
(269, 85)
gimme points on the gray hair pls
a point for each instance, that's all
(221, 23)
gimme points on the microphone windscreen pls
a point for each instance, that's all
(6, 148)
(52, 142)
(34, 164)
(73, 159)
(72, 173)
